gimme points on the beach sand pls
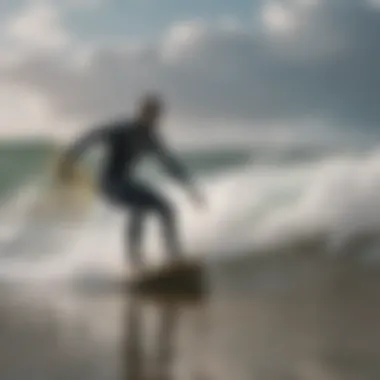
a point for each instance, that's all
(290, 318)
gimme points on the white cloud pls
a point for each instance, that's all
(278, 18)
(327, 68)
(37, 26)
(25, 112)
(180, 39)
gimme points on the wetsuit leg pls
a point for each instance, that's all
(140, 199)
(134, 235)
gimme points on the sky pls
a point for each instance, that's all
(242, 63)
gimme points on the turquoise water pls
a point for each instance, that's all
(21, 161)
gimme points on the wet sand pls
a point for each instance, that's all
(275, 319)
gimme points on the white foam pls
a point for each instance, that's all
(257, 206)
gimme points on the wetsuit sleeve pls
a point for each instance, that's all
(78, 147)
(175, 168)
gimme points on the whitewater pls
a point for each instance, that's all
(260, 201)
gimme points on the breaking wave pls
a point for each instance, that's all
(321, 203)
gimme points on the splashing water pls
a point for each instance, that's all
(252, 206)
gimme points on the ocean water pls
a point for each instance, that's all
(290, 241)
(261, 199)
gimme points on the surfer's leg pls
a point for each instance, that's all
(134, 236)
(145, 200)
(170, 228)
(124, 195)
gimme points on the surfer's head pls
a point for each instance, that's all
(150, 109)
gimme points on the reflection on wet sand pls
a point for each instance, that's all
(173, 347)
(48, 335)
(136, 364)
(274, 320)
(297, 319)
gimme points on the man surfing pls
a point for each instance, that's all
(125, 142)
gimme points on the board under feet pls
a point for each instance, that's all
(185, 278)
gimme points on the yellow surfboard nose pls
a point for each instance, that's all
(72, 196)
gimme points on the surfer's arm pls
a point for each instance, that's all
(81, 145)
(171, 163)
(76, 149)
(176, 169)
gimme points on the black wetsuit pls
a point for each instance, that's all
(125, 142)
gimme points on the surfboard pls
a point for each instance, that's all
(185, 277)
